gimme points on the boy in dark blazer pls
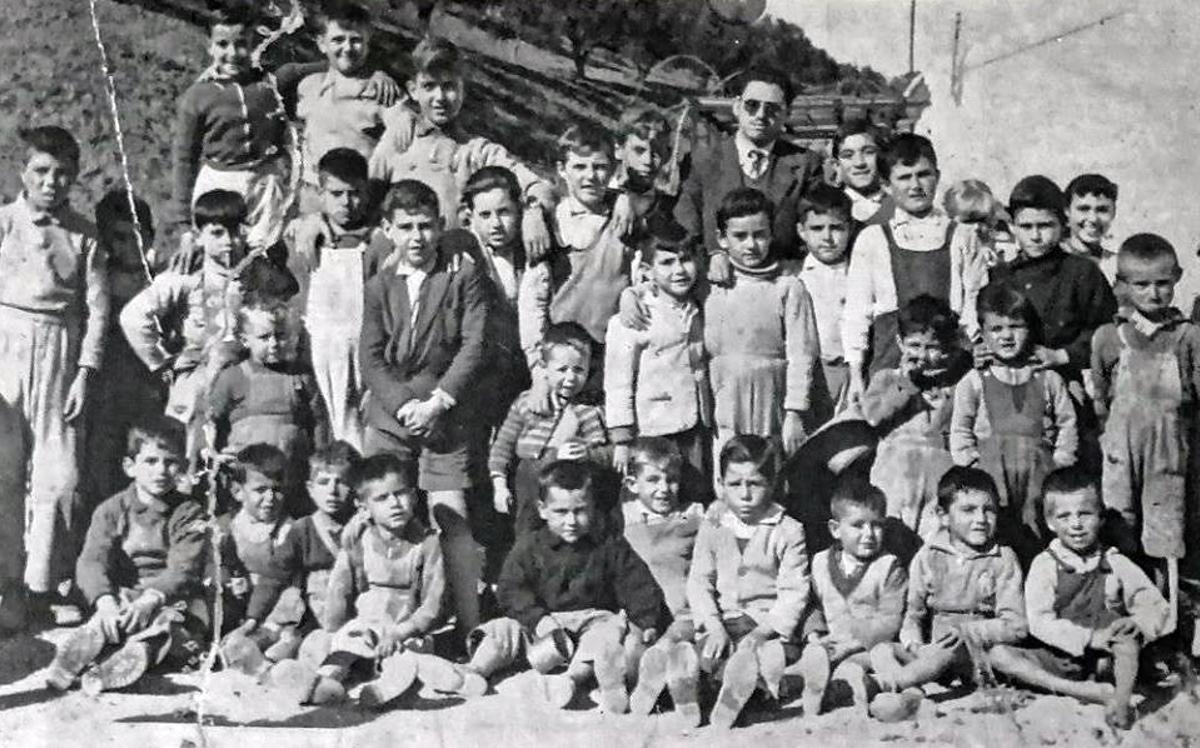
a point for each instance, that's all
(423, 351)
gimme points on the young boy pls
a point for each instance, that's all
(859, 586)
(423, 350)
(183, 325)
(643, 146)
(856, 148)
(385, 598)
(566, 588)
(1090, 607)
(430, 145)
(657, 379)
(231, 131)
(141, 569)
(54, 305)
(1146, 370)
(748, 587)
(824, 226)
(1091, 209)
(917, 251)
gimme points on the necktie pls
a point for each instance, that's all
(758, 163)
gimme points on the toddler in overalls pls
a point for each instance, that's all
(1146, 368)
(1014, 420)
(910, 408)
(141, 568)
(268, 398)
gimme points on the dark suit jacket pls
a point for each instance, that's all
(444, 349)
(714, 173)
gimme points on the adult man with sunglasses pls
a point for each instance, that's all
(754, 156)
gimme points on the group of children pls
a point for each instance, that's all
(584, 373)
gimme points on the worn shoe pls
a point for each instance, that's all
(437, 673)
(610, 676)
(683, 683)
(80, 649)
(738, 684)
(293, 679)
(1119, 716)
(559, 690)
(814, 667)
(396, 676)
(242, 654)
(651, 680)
(890, 706)
(120, 669)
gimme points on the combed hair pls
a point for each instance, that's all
(905, 149)
(972, 201)
(230, 13)
(160, 430)
(823, 200)
(856, 491)
(926, 313)
(264, 459)
(1003, 300)
(654, 450)
(1092, 184)
(52, 139)
(644, 122)
(565, 475)
(570, 334)
(1038, 192)
(378, 467)
(338, 457)
(660, 232)
(858, 126)
(771, 76)
(742, 202)
(345, 164)
(410, 196)
(754, 449)
(436, 57)
(584, 139)
(344, 13)
(1146, 247)
(1073, 479)
(114, 207)
(960, 479)
(222, 207)
(491, 178)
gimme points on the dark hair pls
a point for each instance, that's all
(570, 334)
(264, 459)
(960, 479)
(491, 178)
(344, 13)
(1005, 301)
(410, 196)
(565, 475)
(926, 313)
(1146, 248)
(378, 467)
(1091, 184)
(1037, 192)
(338, 457)
(160, 430)
(742, 202)
(232, 13)
(905, 149)
(114, 207)
(1071, 479)
(660, 232)
(743, 448)
(857, 491)
(222, 207)
(584, 139)
(278, 309)
(645, 122)
(53, 140)
(823, 199)
(345, 164)
(857, 126)
(772, 77)
(435, 56)
(654, 450)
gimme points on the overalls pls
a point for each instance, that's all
(910, 461)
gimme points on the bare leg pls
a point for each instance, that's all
(930, 663)
(1017, 665)
(1125, 667)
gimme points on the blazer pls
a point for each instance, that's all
(713, 174)
(442, 349)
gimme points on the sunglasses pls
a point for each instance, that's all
(769, 108)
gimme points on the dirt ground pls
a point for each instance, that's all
(161, 711)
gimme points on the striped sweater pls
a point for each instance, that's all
(526, 435)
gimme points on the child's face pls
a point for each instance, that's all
(264, 336)
(47, 180)
(1037, 231)
(858, 162)
(566, 370)
(673, 273)
(747, 240)
(1006, 337)
(971, 518)
(826, 235)
(439, 97)
(746, 491)
(261, 496)
(120, 239)
(1075, 518)
(656, 486)
(586, 176)
(345, 47)
(342, 202)
(567, 514)
(329, 493)
(155, 469)
(495, 218)
(229, 50)
(913, 186)
(859, 530)
(415, 235)
(1149, 286)
(390, 502)
(922, 351)
(221, 245)
(642, 158)
(760, 112)
(1089, 217)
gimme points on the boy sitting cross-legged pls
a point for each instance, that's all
(571, 597)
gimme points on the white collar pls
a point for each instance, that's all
(744, 146)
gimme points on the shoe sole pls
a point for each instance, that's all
(438, 674)
(814, 666)
(683, 683)
(293, 679)
(558, 690)
(651, 679)
(397, 675)
(122, 669)
(610, 676)
(740, 680)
